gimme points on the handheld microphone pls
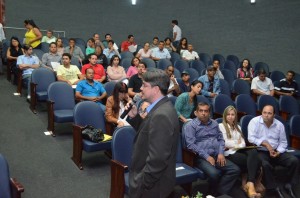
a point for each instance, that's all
(135, 100)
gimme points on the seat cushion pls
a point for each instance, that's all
(42, 95)
(61, 116)
(185, 174)
(126, 177)
(296, 152)
(89, 146)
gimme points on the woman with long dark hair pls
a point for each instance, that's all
(245, 72)
(182, 46)
(33, 35)
(115, 105)
(115, 72)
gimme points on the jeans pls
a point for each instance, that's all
(27, 81)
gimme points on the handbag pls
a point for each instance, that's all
(92, 134)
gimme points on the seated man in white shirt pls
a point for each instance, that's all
(174, 89)
(269, 133)
(190, 54)
(49, 38)
(160, 52)
(262, 85)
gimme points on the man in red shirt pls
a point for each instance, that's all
(125, 44)
(100, 75)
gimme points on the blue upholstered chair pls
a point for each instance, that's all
(174, 57)
(229, 76)
(9, 187)
(230, 66)
(264, 100)
(261, 65)
(288, 107)
(149, 62)
(277, 75)
(41, 78)
(205, 58)
(39, 53)
(197, 65)
(220, 103)
(234, 59)
(87, 113)
(194, 75)
(126, 54)
(181, 65)
(245, 105)
(163, 64)
(61, 101)
(173, 99)
(221, 59)
(126, 63)
(244, 125)
(109, 87)
(80, 41)
(219, 120)
(45, 47)
(240, 86)
(225, 88)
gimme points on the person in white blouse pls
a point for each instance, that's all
(246, 159)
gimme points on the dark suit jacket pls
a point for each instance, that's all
(152, 169)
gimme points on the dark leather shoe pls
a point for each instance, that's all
(279, 193)
(289, 189)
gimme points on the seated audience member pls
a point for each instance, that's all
(182, 46)
(203, 136)
(96, 37)
(169, 45)
(90, 47)
(133, 69)
(129, 44)
(160, 52)
(145, 52)
(99, 72)
(101, 58)
(115, 105)
(115, 72)
(60, 46)
(245, 72)
(14, 50)
(49, 38)
(190, 54)
(154, 43)
(287, 86)
(184, 84)
(174, 89)
(186, 102)
(27, 63)
(105, 42)
(68, 73)
(110, 51)
(262, 85)
(216, 65)
(52, 57)
(90, 89)
(269, 133)
(74, 50)
(135, 82)
(245, 159)
(211, 84)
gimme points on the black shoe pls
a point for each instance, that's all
(289, 189)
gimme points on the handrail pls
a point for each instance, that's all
(55, 31)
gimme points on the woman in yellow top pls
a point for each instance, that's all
(33, 35)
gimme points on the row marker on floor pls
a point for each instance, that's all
(47, 133)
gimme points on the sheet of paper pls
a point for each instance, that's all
(74, 86)
(180, 168)
(132, 48)
(47, 133)
(55, 65)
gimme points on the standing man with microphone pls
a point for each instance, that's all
(152, 170)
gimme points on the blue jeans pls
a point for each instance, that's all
(223, 178)
(27, 80)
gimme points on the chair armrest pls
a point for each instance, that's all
(33, 99)
(254, 96)
(50, 115)
(240, 114)
(189, 157)
(16, 188)
(20, 84)
(77, 137)
(117, 187)
(284, 115)
(295, 141)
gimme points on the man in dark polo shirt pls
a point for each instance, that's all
(184, 84)
(287, 86)
(135, 82)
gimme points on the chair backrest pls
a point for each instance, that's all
(163, 63)
(276, 75)
(126, 54)
(224, 86)
(220, 58)
(194, 75)
(39, 53)
(295, 125)
(221, 102)
(173, 99)
(80, 41)
(264, 100)
(150, 63)
(109, 87)
(179, 150)
(244, 124)
(5, 191)
(174, 57)
(289, 104)
(261, 65)
(43, 77)
(62, 95)
(197, 65)
(126, 63)
(230, 66)
(201, 98)
(45, 47)
(177, 73)
(245, 103)
(122, 144)
(205, 58)
(286, 127)
(89, 113)
(181, 65)
(75, 61)
(219, 120)
(234, 59)
(240, 86)
(228, 76)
